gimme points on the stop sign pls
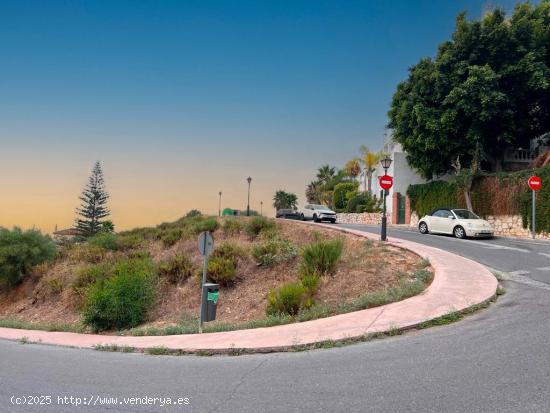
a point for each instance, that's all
(535, 183)
(386, 182)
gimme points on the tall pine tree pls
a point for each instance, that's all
(94, 204)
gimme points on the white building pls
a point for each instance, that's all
(403, 176)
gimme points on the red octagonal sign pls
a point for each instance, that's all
(386, 182)
(535, 183)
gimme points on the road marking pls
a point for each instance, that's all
(543, 268)
(544, 254)
(520, 272)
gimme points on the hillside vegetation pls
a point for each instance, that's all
(148, 279)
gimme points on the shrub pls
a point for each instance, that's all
(222, 270)
(89, 275)
(55, 285)
(232, 226)
(123, 300)
(130, 241)
(321, 257)
(287, 299)
(362, 203)
(437, 194)
(193, 213)
(20, 251)
(339, 196)
(142, 233)
(274, 251)
(259, 224)
(209, 224)
(84, 252)
(310, 281)
(172, 236)
(176, 269)
(105, 240)
(222, 265)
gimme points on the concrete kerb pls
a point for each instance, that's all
(459, 283)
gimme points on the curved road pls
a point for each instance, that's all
(497, 360)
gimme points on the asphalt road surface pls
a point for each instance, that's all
(497, 360)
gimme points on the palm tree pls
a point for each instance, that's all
(353, 167)
(369, 160)
(312, 192)
(284, 200)
(326, 173)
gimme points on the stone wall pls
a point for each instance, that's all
(504, 225)
(512, 226)
(372, 218)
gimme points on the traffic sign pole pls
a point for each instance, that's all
(386, 182)
(534, 215)
(535, 183)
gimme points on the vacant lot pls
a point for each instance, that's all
(266, 255)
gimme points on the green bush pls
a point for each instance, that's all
(310, 281)
(89, 275)
(193, 213)
(222, 270)
(321, 257)
(232, 226)
(339, 196)
(288, 299)
(362, 203)
(209, 224)
(129, 242)
(177, 268)
(171, 236)
(259, 224)
(20, 251)
(222, 265)
(274, 251)
(105, 240)
(437, 194)
(122, 300)
(146, 233)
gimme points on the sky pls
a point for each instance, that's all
(182, 99)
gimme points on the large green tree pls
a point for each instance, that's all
(487, 90)
(93, 207)
(284, 200)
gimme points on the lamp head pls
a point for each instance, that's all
(386, 162)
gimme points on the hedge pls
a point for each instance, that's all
(492, 194)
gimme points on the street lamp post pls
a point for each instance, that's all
(386, 162)
(220, 204)
(249, 179)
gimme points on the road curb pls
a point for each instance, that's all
(459, 283)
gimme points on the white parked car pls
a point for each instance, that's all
(317, 213)
(459, 222)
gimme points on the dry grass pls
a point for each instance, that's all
(365, 267)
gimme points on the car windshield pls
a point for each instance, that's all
(465, 214)
(319, 207)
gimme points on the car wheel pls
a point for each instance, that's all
(423, 228)
(302, 218)
(333, 221)
(459, 232)
(315, 219)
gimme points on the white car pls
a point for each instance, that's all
(458, 222)
(317, 213)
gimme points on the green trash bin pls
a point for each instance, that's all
(211, 293)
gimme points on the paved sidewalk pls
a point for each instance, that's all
(458, 284)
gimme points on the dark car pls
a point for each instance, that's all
(288, 214)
